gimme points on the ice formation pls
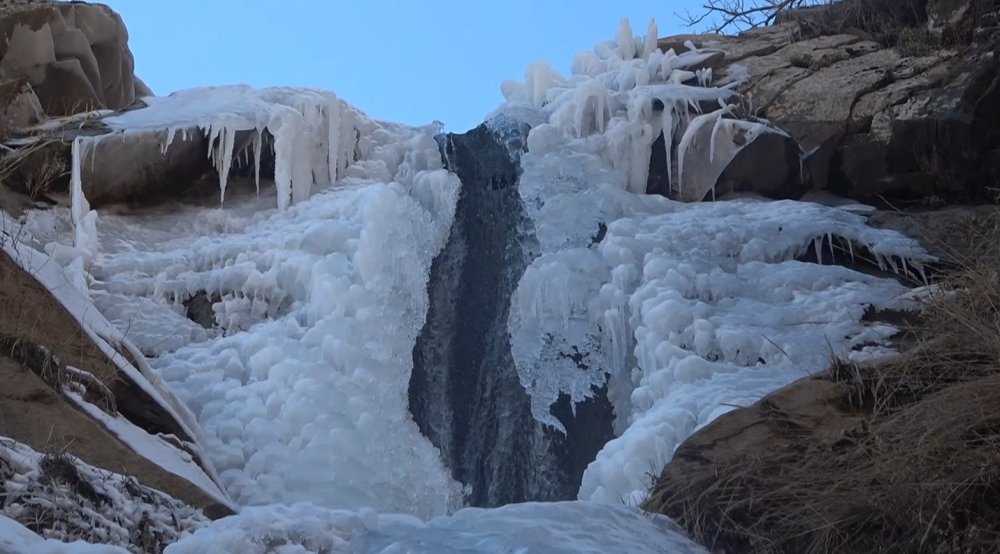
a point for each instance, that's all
(301, 388)
(682, 310)
(84, 219)
(553, 528)
(314, 131)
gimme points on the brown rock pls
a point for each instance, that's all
(75, 55)
(34, 411)
(19, 107)
(875, 123)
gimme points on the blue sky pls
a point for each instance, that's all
(411, 61)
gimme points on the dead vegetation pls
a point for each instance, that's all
(920, 473)
(875, 17)
(62, 378)
(892, 23)
(57, 496)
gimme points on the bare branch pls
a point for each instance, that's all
(734, 16)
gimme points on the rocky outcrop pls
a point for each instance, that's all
(74, 56)
(912, 121)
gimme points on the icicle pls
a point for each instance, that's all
(879, 260)
(284, 132)
(818, 247)
(920, 270)
(829, 239)
(224, 158)
(625, 40)
(258, 141)
(333, 110)
(539, 78)
(668, 139)
(690, 46)
(850, 249)
(84, 219)
(704, 76)
(171, 132)
(649, 44)
(711, 144)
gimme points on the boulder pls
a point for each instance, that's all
(125, 167)
(74, 55)
(136, 169)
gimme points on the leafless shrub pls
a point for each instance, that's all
(879, 19)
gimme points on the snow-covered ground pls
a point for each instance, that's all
(68, 500)
(320, 292)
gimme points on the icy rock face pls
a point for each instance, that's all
(679, 310)
(464, 391)
(298, 138)
(300, 382)
(631, 95)
(109, 404)
(314, 131)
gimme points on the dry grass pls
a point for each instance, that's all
(920, 474)
(34, 170)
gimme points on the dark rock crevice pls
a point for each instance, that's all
(465, 393)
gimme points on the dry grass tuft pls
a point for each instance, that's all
(920, 473)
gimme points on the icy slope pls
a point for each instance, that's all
(684, 310)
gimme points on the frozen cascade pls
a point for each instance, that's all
(464, 392)
(319, 302)
(675, 311)
(528, 324)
